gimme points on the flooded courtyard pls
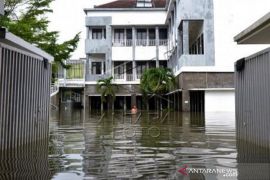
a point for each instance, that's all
(142, 146)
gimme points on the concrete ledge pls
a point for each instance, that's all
(257, 33)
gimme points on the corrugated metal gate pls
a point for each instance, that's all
(252, 91)
(24, 99)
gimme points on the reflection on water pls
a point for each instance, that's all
(123, 146)
(143, 146)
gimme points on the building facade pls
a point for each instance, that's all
(126, 37)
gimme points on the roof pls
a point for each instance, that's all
(131, 4)
(257, 33)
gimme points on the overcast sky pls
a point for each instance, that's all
(231, 17)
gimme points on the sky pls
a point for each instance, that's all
(231, 17)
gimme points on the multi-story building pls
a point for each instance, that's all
(125, 37)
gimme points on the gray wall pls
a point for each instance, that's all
(25, 99)
(252, 87)
(93, 46)
(189, 10)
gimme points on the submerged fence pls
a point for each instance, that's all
(25, 73)
(252, 88)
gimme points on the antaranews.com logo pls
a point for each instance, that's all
(186, 170)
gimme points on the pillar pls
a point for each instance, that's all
(134, 73)
(185, 37)
(125, 103)
(133, 100)
(185, 101)
(157, 47)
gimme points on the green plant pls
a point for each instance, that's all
(107, 89)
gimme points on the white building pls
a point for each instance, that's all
(125, 37)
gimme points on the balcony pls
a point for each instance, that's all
(139, 42)
(123, 77)
(122, 42)
(96, 77)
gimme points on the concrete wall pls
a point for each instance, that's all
(132, 17)
(194, 80)
(25, 98)
(103, 46)
(252, 87)
(219, 101)
(188, 10)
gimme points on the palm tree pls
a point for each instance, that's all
(157, 82)
(107, 89)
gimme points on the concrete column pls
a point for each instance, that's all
(86, 105)
(185, 37)
(134, 73)
(125, 103)
(157, 47)
(133, 100)
(87, 66)
(185, 101)
(108, 56)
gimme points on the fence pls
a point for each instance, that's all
(252, 87)
(25, 76)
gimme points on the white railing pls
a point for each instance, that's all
(139, 76)
(152, 42)
(141, 42)
(119, 76)
(122, 42)
(54, 89)
(163, 42)
(129, 77)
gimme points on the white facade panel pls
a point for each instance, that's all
(132, 17)
(121, 53)
(145, 53)
(163, 53)
(220, 101)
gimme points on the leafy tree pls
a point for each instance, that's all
(157, 82)
(27, 19)
(107, 89)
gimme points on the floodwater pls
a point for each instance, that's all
(142, 146)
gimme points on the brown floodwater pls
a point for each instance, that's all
(168, 146)
(142, 146)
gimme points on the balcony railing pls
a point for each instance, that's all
(122, 42)
(119, 76)
(130, 77)
(139, 42)
(96, 77)
(124, 77)
(163, 42)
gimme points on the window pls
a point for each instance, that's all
(98, 33)
(96, 67)
(152, 37)
(196, 37)
(163, 36)
(163, 64)
(119, 36)
(119, 70)
(129, 37)
(141, 67)
(163, 33)
(141, 37)
(144, 3)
